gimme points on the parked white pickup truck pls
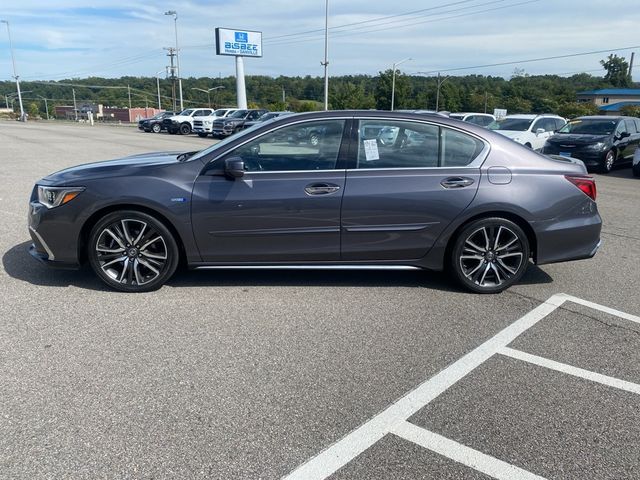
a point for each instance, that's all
(183, 122)
(203, 126)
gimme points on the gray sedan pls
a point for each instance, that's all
(378, 189)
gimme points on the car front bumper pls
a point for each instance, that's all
(52, 233)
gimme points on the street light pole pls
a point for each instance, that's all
(175, 24)
(46, 107)
(208, 92)
(15, 75)
(158, 85)
(326, 55)
(393, 81)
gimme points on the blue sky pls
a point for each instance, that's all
(56, 39)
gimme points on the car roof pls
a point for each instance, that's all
(601, 117)
(531, 116)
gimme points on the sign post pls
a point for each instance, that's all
(239, 44)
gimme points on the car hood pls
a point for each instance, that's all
(111, 168)
(575, 139)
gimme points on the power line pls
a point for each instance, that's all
(343, 33)
(531, 60)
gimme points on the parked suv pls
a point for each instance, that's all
(601, 142)
(204, 125)
(154, 124)
(529, 130)
(235, 122)
(183, 122)
(482, 119)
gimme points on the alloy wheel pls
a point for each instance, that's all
(156, 128)
(609, 160)
(131, 252)
(492, 256)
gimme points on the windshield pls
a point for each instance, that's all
(220, 112)
(186, 112)
(513, 124)
(457, 116)
(238, 114)
(590, 127)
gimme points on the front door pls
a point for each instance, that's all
(411, 180)
(286, 207)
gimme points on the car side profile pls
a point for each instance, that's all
(601, 142)
(183, 122)
(532, 131)
(437, 194)
(154, 124)
(482, 119)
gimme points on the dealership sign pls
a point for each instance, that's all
(238, 43)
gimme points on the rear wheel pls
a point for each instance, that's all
(185, 129)
(489, 255)
(132, 251)
(314, 139)
(156, 128)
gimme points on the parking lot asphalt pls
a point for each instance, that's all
(255, 374)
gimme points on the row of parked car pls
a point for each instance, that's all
(601, 142)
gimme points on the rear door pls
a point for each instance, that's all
(410, 180)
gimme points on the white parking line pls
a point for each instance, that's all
(571, 370)
(461, 453)
(394, 418)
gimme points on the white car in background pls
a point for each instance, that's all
(203, 126)
(636, 163)
(530, 130)
(481, 119)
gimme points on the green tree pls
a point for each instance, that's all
(348, 95)
(617, 69)
(631, 110)
(577, 109)
(33, 110)
(383, 90)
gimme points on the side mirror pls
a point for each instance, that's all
(234, 167)
(540, 130)
(624, 135)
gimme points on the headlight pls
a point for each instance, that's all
(596, 146)
(516, 139)
(52, 197)
(208, 122)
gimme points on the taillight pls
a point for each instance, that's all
(585, 183)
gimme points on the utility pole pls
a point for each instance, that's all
(326, 55)
(172, 70)
(129, 93)
(15, 75)
(158, 85)
(75, 107)
(393, 81)
(633, 54)
(175, 24)
(284, 98)
(486, 100)
(440, 82)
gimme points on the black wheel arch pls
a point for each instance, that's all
(95, 217)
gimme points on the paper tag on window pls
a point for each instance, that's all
(371, 150)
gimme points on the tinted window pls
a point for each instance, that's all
(631, 126)
(547, 124)
(305, 146)
(399, 144)
(559, 123)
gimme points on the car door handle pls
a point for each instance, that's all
(321, 188)
(456, 182)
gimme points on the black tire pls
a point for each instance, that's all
(636, 170)
(185, 129)
(132, 251)
(489, 255)
(608, 162)
(156, 128)
(528, 145)
(202, 135)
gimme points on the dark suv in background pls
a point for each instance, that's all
(601, 142)
(224, 127)
(154, 124)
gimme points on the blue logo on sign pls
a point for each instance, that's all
(242, 37)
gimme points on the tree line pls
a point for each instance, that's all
(522, 93)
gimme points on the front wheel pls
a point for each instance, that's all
(156, 128)
(489, 255)
(609, 162)
(132, 251)
(185, 129)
